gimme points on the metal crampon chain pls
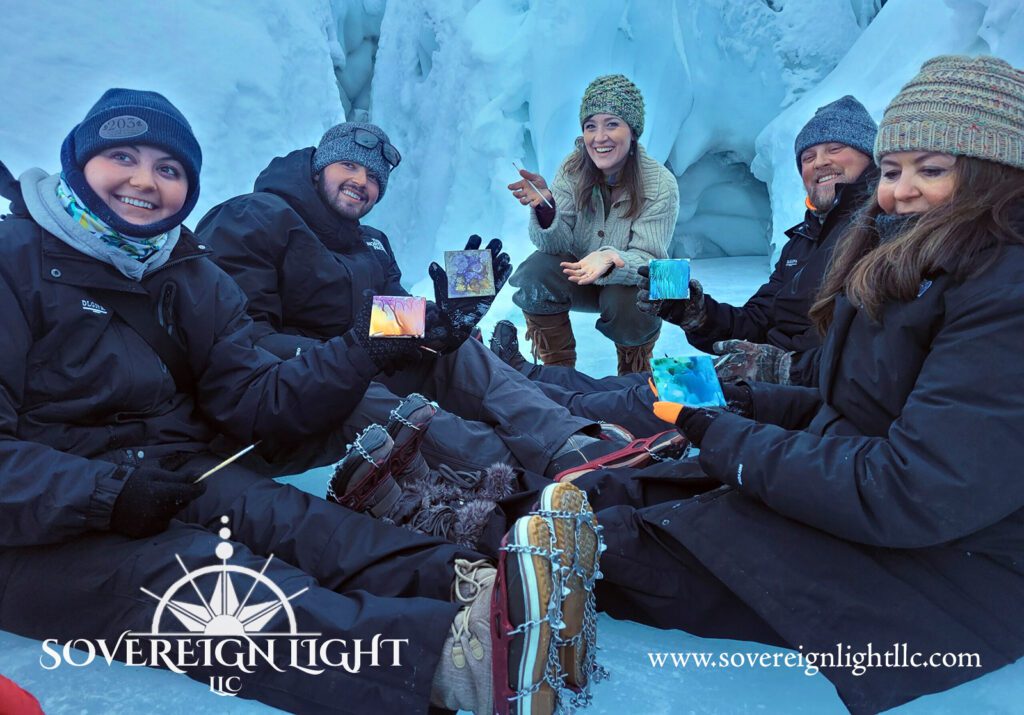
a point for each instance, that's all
(360, 450)
(398, 418)
(554, 674)
(588, 634)
(567, 699)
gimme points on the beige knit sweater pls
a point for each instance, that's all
(637, 240)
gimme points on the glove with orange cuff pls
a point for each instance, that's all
(691, 421)
(695, 421)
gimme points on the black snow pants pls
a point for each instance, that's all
(363, 578)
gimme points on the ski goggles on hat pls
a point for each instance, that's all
(369, 140)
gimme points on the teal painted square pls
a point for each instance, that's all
(688, 380)
(670, 278)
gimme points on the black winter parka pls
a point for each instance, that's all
(80, 391)
(887, 504)
(777, 313)
(301, 265)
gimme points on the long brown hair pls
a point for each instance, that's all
(586, 176)
(953, 235)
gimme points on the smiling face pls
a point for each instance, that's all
(915, 181)
(141, 184)
(823, 166)
(608, 140)
(348, 188)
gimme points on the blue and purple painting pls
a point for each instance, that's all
(470, 273)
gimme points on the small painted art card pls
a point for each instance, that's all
(688, 380)
(398, 316)
(470, 273)
(670, 278)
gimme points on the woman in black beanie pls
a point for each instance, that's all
(128, 370)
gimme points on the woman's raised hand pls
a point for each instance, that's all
(526, 194)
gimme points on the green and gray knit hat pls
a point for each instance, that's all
(959, 105)
(614, 94)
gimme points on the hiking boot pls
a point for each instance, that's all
(526, 611)
(551, 339)
(670, 444)
(505, 344)
(463, 679)
(636, 358)
(407, 425)
(580, 449)
(362, 480)
(578, 539)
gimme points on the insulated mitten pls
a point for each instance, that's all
(149, 499)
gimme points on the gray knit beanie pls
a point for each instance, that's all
(845, 121)
(614, 94)
(338, 144)
(959, 105)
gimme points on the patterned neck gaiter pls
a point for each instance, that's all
(138, 248)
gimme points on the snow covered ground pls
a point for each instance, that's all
(634, 686)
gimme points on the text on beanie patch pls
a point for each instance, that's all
(123, 127)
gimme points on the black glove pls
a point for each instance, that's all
(149, 499)
(738, 399)
(455, 318)
(388, 354)
(688, 313)
(691, 421)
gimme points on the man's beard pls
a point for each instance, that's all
(822, 196)
(330, 197)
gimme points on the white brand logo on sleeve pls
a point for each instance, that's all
(376, 244)
(791, 262)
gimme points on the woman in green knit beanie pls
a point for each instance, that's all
(611, 209)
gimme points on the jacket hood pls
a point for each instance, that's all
(291, 178)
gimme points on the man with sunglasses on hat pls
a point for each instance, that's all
(297, 248)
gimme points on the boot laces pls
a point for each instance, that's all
(472, 579)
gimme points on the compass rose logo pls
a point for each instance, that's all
(213, 606)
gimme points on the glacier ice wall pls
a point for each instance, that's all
(255, 80)
(467, 86)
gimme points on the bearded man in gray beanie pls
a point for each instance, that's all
(770, 338)
(297, 248)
